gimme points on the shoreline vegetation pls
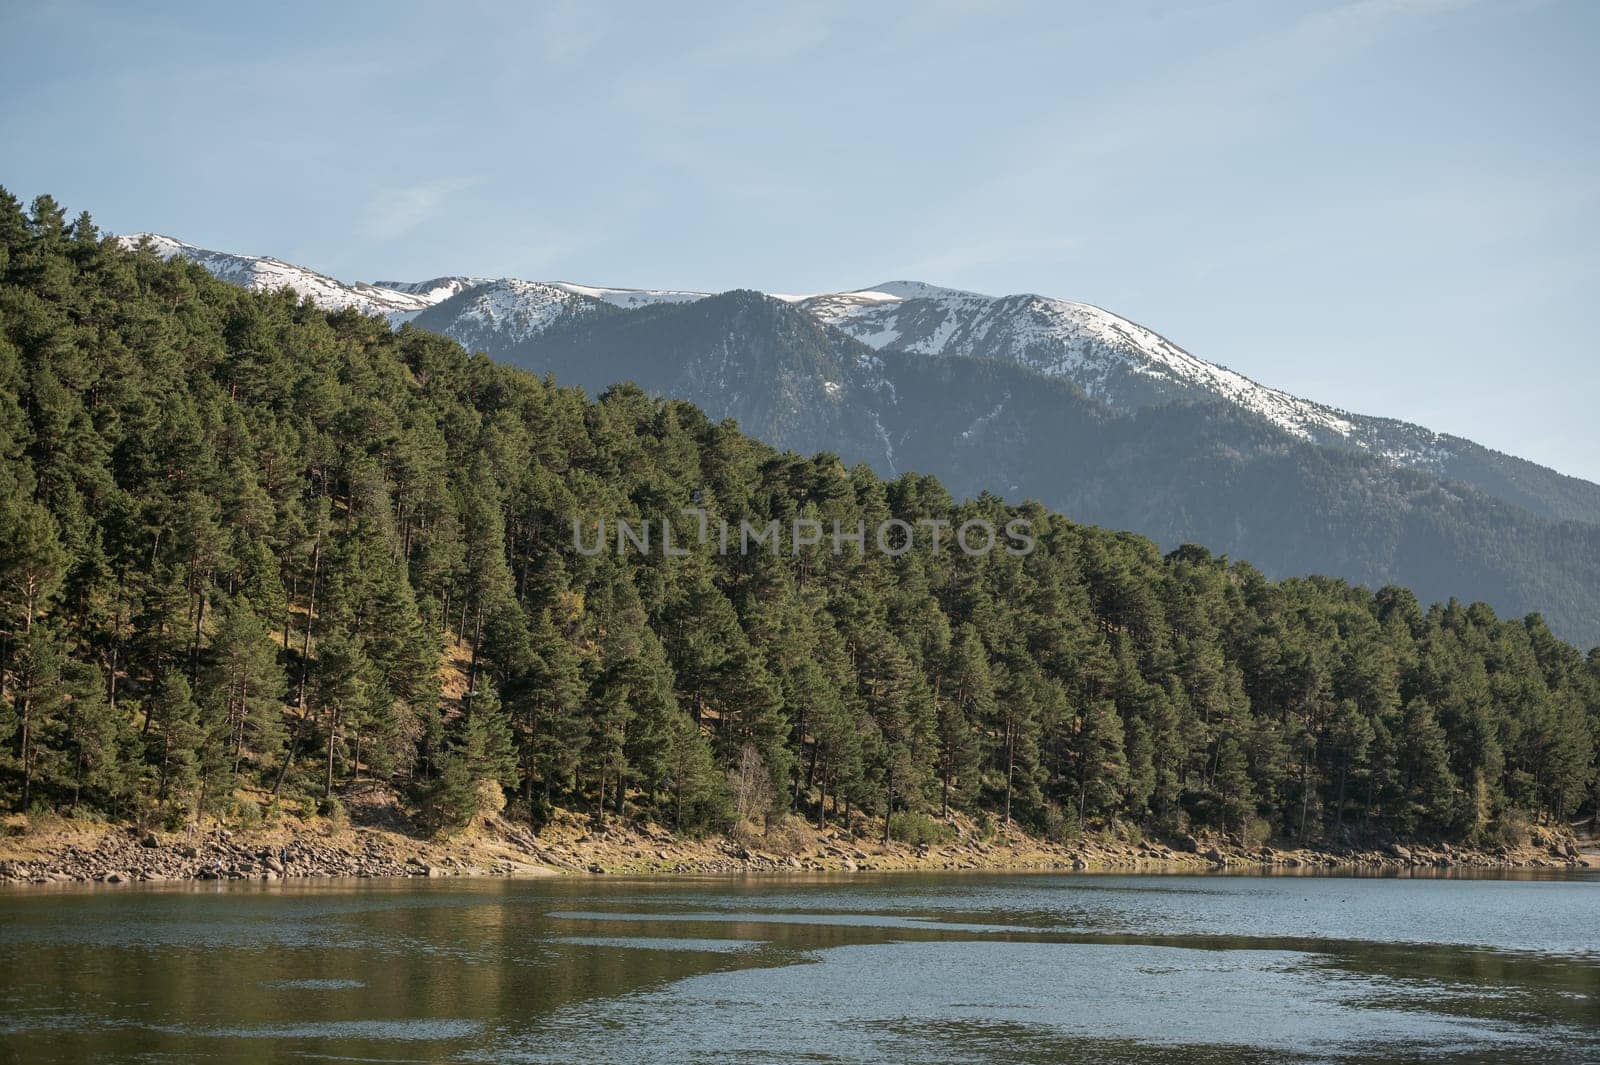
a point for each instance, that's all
(63, 851)
(311, 578)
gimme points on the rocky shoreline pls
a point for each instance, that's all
(571, 845)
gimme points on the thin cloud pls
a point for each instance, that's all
(394, 212)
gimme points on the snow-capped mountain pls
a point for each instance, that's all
(509, 311)
(266, 274)
(493, 314)
(434, 290)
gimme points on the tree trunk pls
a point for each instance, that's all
(305, 671)
(1305, 795)
(25, 753)
(333, 744)
(888, 803)
(1011, 765)
(1344, 771)
(194, 648)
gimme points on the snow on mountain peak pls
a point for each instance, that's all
(1099, 351)
(909, 290)
(509, 309)
(436, 289)
(266, 274)
(630, 298)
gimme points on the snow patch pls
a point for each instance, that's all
(263, 273)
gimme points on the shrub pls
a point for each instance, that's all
(787, 834)
(983, 825)
(746, 834)
(1512, 829)
(247, 812)
(1058, 827)
(910, 826)
(1256, 831)
(455, 796)
(334, 811)
(41, 816)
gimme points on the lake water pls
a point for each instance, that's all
(968, 968)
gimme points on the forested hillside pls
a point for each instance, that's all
(240, 537)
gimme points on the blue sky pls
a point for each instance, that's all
(1390, 205)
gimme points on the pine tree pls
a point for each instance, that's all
(1102, 765)
(242, 674)
(176, 739)
(1431, 789)
(38, 697)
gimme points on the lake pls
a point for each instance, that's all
(911, 967)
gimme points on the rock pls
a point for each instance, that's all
(1396, 851)
(149, 841)
(1216, 857)
(1190, 844)
(114, 878)
(596, 868)
(849, 865)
